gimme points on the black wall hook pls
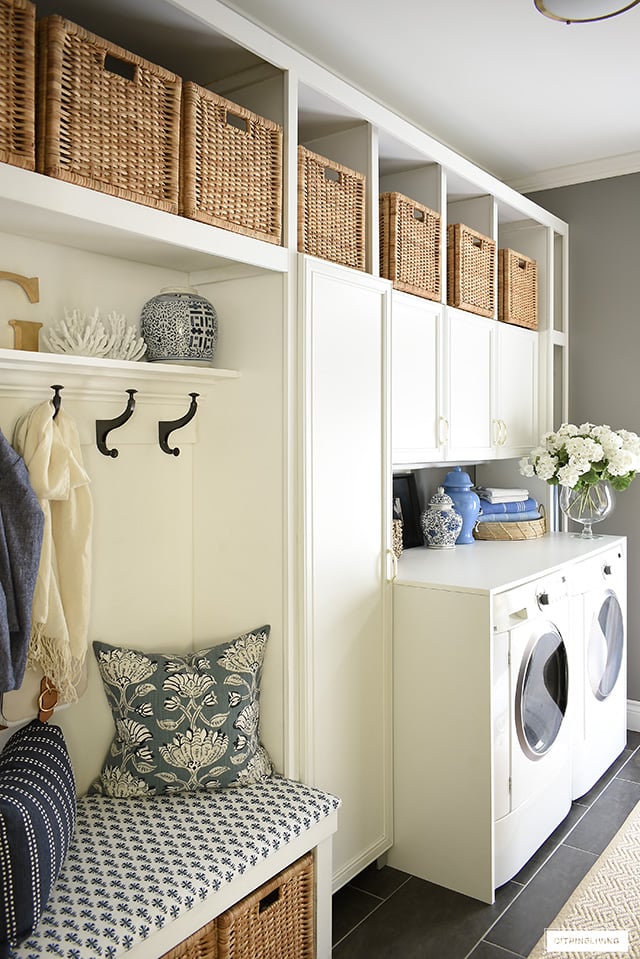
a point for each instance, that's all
(165, 427)
(57, 399)
(104, 427)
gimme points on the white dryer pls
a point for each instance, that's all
(598, 654)
(532, 736)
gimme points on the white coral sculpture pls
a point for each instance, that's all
(87, 336)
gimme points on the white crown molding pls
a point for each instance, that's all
(577, 173)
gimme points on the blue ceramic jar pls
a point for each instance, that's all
(440, 522)
(180, 326)
(458, 485)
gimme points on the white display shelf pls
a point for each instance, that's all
(58, 212)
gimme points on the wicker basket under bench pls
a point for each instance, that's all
(240, 873)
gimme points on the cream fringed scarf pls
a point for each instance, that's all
(60, 617)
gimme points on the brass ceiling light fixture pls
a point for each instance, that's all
(582, 11)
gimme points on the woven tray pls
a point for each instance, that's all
(277, 920)
(471, 263)
(331, 210)
(231, 166)
(107, 119)
(527, 529)
(410, 246)
(17, 83)
(517, 289)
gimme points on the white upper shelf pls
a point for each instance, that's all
(40, 206)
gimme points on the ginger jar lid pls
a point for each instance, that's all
(440, 500)
(457, 479)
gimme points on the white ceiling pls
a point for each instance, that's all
(535, 102)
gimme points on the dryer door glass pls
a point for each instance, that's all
(541, 693)
(605, 646)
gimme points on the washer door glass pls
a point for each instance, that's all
(541, 692)
(604, 646)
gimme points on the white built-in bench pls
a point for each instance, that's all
(144, 874)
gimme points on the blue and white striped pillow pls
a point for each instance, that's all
(37, 820)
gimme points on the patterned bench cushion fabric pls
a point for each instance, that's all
(37, 818)
(135, 865)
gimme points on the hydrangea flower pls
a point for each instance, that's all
(581, 456)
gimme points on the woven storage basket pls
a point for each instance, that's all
(231, 166)
(471, 263)
(276, 921)
(331, 210)
(410, 246)
(517, 289)
(527, 529)
(107, 119)
(203, 944)
(17, 83)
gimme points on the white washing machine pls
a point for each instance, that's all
(598, 587)
(531, 719)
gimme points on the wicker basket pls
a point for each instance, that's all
(471, 262)
(231, 166)
(410, 246)
(203, 944)
(17, 83)
(276, 921)
(517, 289)
(331, 210)
(107, 119)
(526, 529)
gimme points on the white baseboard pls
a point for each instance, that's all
(633, 715)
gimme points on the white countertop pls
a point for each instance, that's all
(491, 566)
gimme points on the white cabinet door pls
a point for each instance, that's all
(516, 390)
(346, 610)
(470, 386)
(417, 426)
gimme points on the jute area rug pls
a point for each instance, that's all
(608, 898)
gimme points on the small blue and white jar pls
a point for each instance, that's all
(179, 325)
(440, 522)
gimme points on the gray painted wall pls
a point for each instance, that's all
(604, 340)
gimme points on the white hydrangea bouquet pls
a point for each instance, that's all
(579, 457)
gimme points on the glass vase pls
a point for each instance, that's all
(587, 506)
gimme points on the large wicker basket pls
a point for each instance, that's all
(107, 119)
(276, 921)
(525, 529)
(410, 246)
(17, 83)
(203, 944)
(517, 289)
(471, 264)
(231, 166)
(331, 210)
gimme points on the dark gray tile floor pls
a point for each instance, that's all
(388, 914)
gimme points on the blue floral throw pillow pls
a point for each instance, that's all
(183, 722)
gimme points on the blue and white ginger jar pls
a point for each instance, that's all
(179, 325)
(440, 522)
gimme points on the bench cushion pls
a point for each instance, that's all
(37, 818)
(137, 864)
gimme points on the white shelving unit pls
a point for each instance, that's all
(238, 497)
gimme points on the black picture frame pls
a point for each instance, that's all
(405, 489)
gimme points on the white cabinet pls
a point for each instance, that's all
(492, 388)
(516, 367)
(418, 427)
(470, 386)
(346, 611)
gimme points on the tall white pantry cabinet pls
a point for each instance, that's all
(278, 508)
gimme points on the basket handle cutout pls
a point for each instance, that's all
(332, 175)
(418, 215)
(522, 264)
(120, 67)
(234, 120)
(476, 241)
(269, 900)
